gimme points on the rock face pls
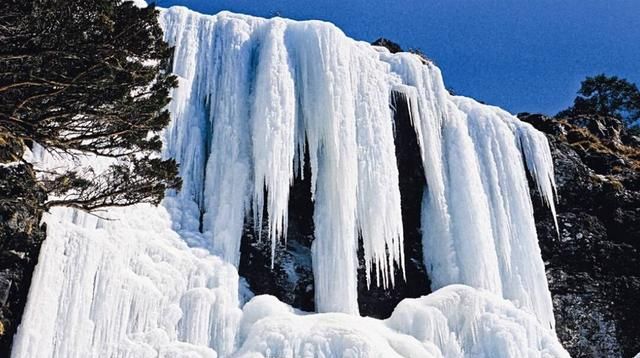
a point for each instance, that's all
(593, 265)
(20, 238)
(290, 277)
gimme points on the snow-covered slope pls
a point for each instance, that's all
(254, 96)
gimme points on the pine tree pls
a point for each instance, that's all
(84, 77)
(608, 96)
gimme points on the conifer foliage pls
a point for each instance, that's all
(607, 96)
(84, 77)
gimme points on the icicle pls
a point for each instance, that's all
(228, 171)
(273, 131)
(327, 100)
(379, 214)
(187, 139)
(537, 154)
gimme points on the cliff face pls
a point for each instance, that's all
(20, 237)
(593, 266)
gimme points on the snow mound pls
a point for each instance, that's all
(455, 321)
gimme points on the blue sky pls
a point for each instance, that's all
(523, 55)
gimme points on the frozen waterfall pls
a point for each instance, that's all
(267, 90)
(255, 95)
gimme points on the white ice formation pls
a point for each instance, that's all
(255, 95)
(456, 321)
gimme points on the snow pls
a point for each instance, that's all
(10, 165)
(139, 3)
(254, 96)
(456, 321)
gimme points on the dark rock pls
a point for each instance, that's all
(388, 44)
(291, 276)
(593, 266)
(603, 127)
(20, 238)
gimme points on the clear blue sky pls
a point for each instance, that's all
(523, 55)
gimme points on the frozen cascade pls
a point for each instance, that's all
(263, 93)
(254, 96)
(478, 226)
(305, 86)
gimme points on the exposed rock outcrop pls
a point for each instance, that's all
(593, 266)
(290, 277)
